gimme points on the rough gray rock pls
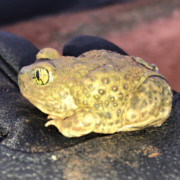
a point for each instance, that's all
(29, 151)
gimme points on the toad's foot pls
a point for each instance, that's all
(82, 122)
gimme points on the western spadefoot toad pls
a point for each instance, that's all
(100, 91)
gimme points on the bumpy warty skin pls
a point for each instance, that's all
(100, 91)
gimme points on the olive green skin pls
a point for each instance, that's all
(100, 91)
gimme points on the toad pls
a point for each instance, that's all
(99, 91)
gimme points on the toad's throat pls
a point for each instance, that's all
(63, 109)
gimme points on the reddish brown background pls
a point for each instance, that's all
(146, 28)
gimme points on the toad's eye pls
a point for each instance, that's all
(40, 76)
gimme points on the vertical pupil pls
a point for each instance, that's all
(37, 74)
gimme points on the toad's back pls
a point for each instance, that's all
(122, 88)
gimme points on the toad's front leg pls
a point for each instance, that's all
(82, 122)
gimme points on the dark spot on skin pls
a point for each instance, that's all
(150, 97)
(151, 112)
(90, 86)
(138, 78)
(144, 104)
(106, 103)
(86, 124)
(65, 107)
(120, 96)
(84, 90)
(96, 105)
(111, 124)
(101, 91)
(75, 120)
(100, 115)
(115, 104)
(162, 102)
(143, 114)
(127, 96)
(129, 72)
(158, 84)
(76, 101)
(101, 68)
(117, 122)
(134, 101)
(154, 92)
(69, 124)
(126, 76)
(142, 89)
(105, 80)
(108, 115)
(155, 98)
(169, 94)
(125, 86)
(133, 116)
(118, 112)
(117, 68)
(93, 78)
(114, 88)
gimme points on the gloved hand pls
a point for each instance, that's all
(127, 154)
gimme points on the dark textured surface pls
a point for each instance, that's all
(15, 52)
(29, 151)
(11, 10)
(80, 44)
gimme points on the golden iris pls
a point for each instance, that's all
(40, 75)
